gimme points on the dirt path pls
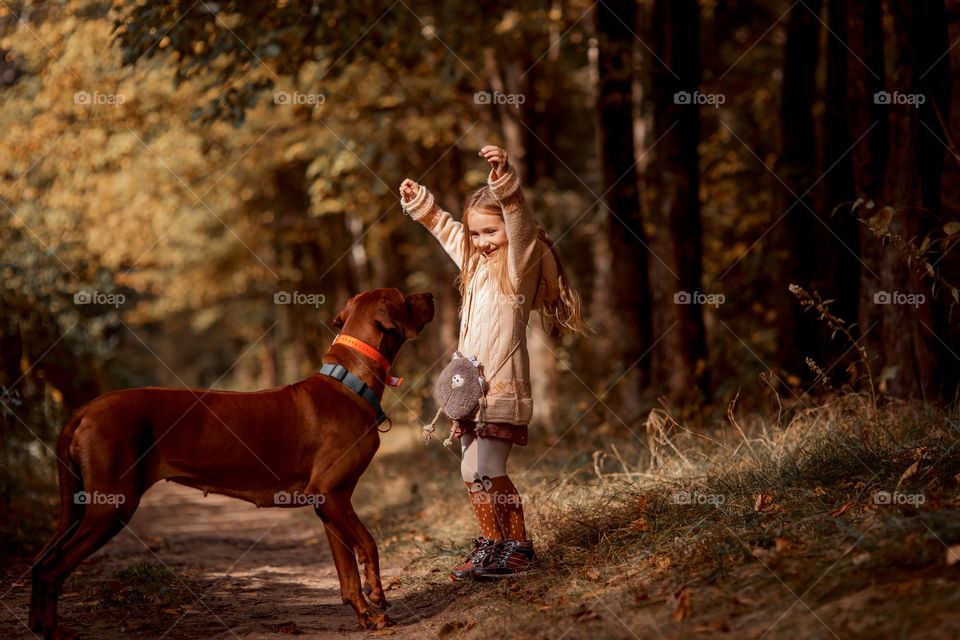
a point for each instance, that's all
(246, 573)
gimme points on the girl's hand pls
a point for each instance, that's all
(497, 158)
(409, 190)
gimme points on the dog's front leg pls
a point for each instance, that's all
(342, 547)
(366, 548)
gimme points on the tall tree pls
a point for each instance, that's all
(793, 230)
(901, 176)
(630, 316)
(843, 268)
(673, 202)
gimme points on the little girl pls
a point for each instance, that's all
(507, 268)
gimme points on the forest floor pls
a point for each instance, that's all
(782, 533)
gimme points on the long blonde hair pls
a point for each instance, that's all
(562, 314)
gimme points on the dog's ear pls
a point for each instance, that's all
(420, 310)
(394, 318)
(344, 315)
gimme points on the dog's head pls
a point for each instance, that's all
(385, 318)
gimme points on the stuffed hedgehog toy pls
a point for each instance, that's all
(459, 391)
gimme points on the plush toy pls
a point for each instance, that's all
(459, 392)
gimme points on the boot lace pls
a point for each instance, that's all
(503, 551)
(481, 547)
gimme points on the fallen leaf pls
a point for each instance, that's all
(384, 632)
(591, 574)
(908, 474)
(640, 524)
(288, 627)
(762, 502)
(642, 504)
(682, 598)
(841, 509)
(782, 545)
(621, 576)
(172, 612)
(393, 584)
(310, 541)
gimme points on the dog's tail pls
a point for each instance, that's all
(72, 507)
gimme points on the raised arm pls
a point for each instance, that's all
(419, 204)
(523, 252)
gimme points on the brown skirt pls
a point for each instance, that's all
(515, 433)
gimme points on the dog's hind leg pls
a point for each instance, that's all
(71, 514)
(43, 564)
(107, 503)
(100, 523)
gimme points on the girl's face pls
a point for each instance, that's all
(487, 232)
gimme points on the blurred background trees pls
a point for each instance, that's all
(184, 163)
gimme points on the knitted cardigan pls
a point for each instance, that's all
(493, 326)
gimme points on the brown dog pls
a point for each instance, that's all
(306, 443)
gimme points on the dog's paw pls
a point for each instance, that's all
(372, 620)
(384, 622)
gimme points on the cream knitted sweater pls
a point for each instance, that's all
(493, 326)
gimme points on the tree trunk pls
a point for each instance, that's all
(792, 234)
(869, 156)
(673, 203)
(842, 271)
(630, 297)
(904, 174)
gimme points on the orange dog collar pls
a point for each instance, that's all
(370, 352)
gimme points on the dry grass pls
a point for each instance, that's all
(760, 529)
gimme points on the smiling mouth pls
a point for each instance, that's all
(489, 252)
